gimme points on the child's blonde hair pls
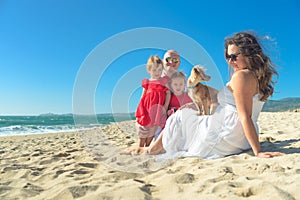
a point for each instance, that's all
(153, 61)
(177, 75)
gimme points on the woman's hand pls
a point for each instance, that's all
(268, 154)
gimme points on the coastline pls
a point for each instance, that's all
(88, 164)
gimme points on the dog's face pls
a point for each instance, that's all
(198, 75)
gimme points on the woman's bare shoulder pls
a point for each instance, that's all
(244, 79)
(245, 73)
(243, 76)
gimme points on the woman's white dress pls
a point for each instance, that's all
(209, 136)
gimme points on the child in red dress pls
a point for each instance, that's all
(151, 111)
(179, 97)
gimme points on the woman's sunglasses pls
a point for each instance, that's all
(173, 60)
(232, 56)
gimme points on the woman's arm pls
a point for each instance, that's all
(244, 86)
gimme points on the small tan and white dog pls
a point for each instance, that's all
(203, 96)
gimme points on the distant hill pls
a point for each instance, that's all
(285, 104)
(47, 114)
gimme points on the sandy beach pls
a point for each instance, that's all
(90, 165)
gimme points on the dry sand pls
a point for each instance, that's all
(89, 165)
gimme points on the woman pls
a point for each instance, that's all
(232, 128)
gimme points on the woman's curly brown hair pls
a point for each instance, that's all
(257, 61)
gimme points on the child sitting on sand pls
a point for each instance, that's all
(151, 111)
(179, 97)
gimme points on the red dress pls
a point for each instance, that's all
(178, 101)
(150, 109)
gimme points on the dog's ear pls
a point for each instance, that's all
(200, 70)
(197, 68)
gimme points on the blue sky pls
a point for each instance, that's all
(44, 45)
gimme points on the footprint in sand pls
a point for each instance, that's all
(80, 191)
(32, 190)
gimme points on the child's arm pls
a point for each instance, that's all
(171, 111)
(167, 101)
(143, 92)
(145, 83)
(191, 105)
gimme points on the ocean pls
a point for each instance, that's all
(52, 123)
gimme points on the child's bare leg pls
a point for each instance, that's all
(142, 142)
(148, 141)
(156, 147)
(142, 131)
(151, 132)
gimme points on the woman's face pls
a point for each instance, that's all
(235, 58)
